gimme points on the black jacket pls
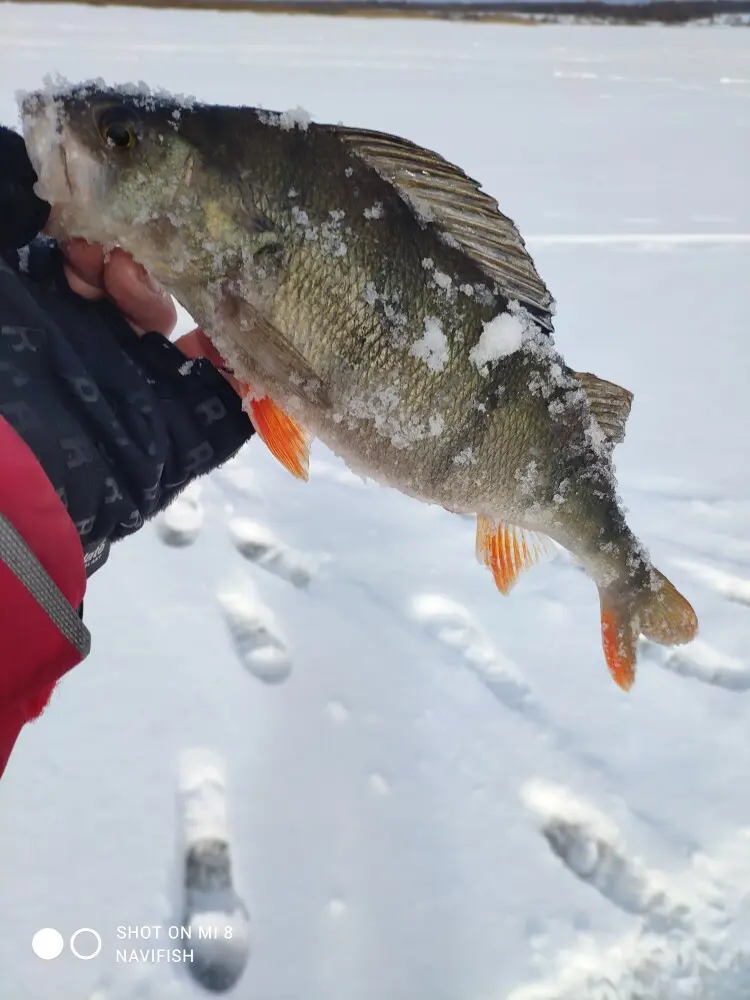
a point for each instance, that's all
(120, 423)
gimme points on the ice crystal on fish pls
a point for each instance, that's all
(287, 120)
(432, 348)
(465, 457)
(503, 335)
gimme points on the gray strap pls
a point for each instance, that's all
(27, 569)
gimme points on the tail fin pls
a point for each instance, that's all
(661, 613)
(667, 618)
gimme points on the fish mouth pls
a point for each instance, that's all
(43, 133)
(66, 171)
(69, 178)
(55, 226)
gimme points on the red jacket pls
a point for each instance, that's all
(34, 654)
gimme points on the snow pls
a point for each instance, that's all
(181, 522)
(258, 641)
(214, 932)
(432, 347)
(257, 543)
(377, 801)
(729, 585)
(452, 624)
(294, 118)
(202, 792)
(503, 335)
(683, 944)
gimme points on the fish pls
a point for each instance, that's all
(366, 292)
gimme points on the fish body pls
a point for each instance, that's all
(372, 296)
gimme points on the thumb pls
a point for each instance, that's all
(197, 345)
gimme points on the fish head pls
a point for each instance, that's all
(116, 169)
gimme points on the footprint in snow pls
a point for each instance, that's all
(685, 942)
(453, 624)
(217, 918)
(258, 544)
(734, 588)
(669, 488)
(180, 524)
(257, 638)
(701, 662)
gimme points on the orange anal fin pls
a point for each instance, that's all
(619, 643)
(506, 551)
(285, 439)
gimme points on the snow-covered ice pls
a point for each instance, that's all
(258, 641)
(729, 585)
(215, 918)
(181, 522)
(380, 836)
(690, 939)
(454, 625)
(703, 663)
(258, 544)
(202, 796)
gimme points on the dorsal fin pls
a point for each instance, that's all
(610, 404)
(444, 196)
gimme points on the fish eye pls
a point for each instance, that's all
(117, 129)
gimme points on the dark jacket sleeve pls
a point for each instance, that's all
(120, 423)
(99, 430)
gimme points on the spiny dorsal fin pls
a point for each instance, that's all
(443, 195)
(507, 550)
(610, 404)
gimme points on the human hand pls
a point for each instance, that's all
(94, 275)
(146, 305)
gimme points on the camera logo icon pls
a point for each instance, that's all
(48, 943)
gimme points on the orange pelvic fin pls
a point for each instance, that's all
(506, 550)
(285, 439)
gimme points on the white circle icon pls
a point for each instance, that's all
(82, 954)
(47, 943)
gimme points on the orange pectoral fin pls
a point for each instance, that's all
(506, 550)
(285, 439)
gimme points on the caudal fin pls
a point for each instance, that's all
(660, 613)
(666, 617)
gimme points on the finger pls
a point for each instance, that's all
(86, 261)
(197, 345)
(82, 287)
(84, 268)
(140, 297)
